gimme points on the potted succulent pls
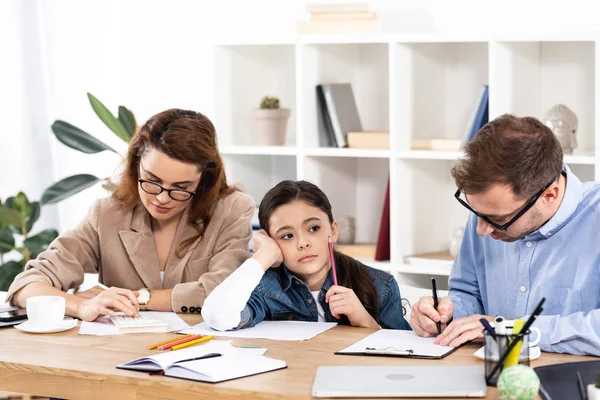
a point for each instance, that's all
(593, 390)
(270, 122)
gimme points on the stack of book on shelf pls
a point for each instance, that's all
(338, 114)
(339, 18)
(440, 258)
(478, 118)
(361, 250)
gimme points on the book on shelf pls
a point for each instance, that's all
(212, 362)
(441, 258)
(344, 15)
(479, 116)
(382, 250)
(339, 112)
(329, 27)
(336, 7)
(357, 250)
(369, 140)
(436, 144)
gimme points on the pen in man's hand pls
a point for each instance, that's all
(435, 303)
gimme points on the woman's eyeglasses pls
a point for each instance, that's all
(155, 189)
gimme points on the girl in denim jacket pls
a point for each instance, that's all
(289, 276)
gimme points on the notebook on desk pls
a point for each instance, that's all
(212, 362)
(395, 343)
(559, 381)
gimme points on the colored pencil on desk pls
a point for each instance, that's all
(193, 342)
(335, 281)
(178, 342)
(154, 346)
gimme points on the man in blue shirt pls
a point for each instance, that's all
(534, 232)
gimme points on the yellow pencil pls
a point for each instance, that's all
(515, 353)
(168, 341)
(182, 345)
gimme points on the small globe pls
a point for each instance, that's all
(518, 383)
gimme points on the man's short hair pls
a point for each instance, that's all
(520, 152)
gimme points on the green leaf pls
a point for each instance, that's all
(7, 241)
(10, 217)
(67, 188)
(35, 215)
(8, 271)
(40, 242)
(22, 205)
(9, 202)
(77, 139)
(128, 120)
(109, 120)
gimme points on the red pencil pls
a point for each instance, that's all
(335, 282)
(185, 340)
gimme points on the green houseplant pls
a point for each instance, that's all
(17, 216)
(123, 125)
(270, 122)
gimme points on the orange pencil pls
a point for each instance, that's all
(168, 341)
(202, 339)
(188, 339)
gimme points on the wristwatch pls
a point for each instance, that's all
(143, 299)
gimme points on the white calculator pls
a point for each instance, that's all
(146, 322)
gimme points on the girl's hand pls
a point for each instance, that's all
(107, 302)
(344, 301)
(266, 250)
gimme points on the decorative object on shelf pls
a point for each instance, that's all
(382, 251)
(456, 241)
(479, 116)
(123, 125)
(563, 123)
(339, 18)
(369, 140)
(17, 216)
(270, 122)
(347, 230)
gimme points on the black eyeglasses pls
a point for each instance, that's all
(505, 226)
(155, 189)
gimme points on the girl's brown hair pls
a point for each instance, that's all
(186, 136)
(350, 273)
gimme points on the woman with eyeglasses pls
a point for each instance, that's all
(172, 230)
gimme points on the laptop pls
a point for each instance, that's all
(399, 381)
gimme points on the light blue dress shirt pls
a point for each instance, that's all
(560, 261)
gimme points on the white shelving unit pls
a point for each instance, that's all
(417, 87)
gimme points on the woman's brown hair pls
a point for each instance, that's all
(186, 136)
(350, 273)
(520, 152)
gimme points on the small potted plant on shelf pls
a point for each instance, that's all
(593, 390)
(270, 122)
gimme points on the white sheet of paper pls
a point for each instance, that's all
(398, 340)
(274, 330)
(104, 327)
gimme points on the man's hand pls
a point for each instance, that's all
(423, 317)
(462, 330)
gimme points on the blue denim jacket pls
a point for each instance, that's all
(280, 295)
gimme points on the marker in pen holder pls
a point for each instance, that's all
(496, 346)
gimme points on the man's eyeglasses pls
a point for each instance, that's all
(155, 189)
(514, 219)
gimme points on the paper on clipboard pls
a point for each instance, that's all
(396, 343)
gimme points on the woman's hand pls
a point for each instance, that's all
(266, 250)
(344, 301)
(107, 302)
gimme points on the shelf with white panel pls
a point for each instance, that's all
(418, 87)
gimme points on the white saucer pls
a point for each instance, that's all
(64, 325)
(534, 353)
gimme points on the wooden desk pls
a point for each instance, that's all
(70, 366)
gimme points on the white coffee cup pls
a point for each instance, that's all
(45, 311)
(532, 329)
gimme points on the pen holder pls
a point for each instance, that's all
(495, 347)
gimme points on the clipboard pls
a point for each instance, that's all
(396, 343)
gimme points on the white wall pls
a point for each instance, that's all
(153, 55)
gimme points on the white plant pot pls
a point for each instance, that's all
(593, 392)
(269, 126)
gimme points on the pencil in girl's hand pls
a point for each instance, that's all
(335, 281)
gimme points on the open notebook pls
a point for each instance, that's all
(395, 343)
(212, 362)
